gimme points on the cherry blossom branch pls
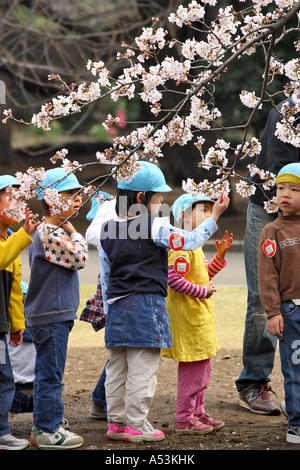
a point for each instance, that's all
(150, 75)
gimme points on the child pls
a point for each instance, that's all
(11, 312)
(279, 286)
(93, 311)
(51, 303)
(22, 360)
(192, 319)
(134, 272)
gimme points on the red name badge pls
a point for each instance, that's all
(181, 265)
(269, 248)
(69, 244)
(176, 241)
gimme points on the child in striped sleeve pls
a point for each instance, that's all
(192, 318)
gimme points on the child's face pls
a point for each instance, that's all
(155, 203)
(76, 202)
(5, 203)
(195, 217)
(288, 198)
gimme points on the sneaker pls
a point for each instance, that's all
(64, 423)
(283, 408)
(148, 433)
(194, 426)
(215, 423)
(257, 399)
(293, 435)
(10, 442)
(115, 431)
(97, 412)
(61, 439)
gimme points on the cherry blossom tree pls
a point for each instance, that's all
(151, 72)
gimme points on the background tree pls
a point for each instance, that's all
(39, 38)
(181, 94)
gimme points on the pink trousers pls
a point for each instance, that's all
(193, 379)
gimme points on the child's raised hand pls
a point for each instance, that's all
(30, 223)
(219, 207)
(210, 289)
(223, 245)
(68, 227)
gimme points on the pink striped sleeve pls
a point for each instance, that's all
(215, 266)
(179, 284)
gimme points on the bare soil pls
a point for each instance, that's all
(243, 430)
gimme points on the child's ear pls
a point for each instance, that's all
(140, 197)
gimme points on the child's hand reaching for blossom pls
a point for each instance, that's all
(30, 223)
(219, 207)
(223, 245)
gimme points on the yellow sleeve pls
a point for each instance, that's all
(12, 247)
(16, 309)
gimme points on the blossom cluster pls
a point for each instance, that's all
(29, 184)
(150, 74)
(249, 99)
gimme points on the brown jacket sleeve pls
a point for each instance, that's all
(268, 272)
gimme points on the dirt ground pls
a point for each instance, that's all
(243, 430)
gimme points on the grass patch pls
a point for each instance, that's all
(230, 307)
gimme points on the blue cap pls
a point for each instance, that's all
(8, 180)
(58, 179)
(289, 174)
(149, 178)
(183, 202)
(95, 204)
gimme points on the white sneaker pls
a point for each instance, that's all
(283, 408)
(61, 439)
(293, 435)
(10, 442)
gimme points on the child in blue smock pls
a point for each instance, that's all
(134, 275)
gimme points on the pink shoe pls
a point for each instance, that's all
(147, 434)
(115, 432)
(206, 419)
(194, 426)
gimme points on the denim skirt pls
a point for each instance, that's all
(138, 320)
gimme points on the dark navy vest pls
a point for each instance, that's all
(138, 265)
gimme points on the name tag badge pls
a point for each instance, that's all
(176, 241)
(181, 265)
(69, 244)
(269, 248)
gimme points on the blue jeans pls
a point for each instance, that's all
(51, 343)
(98, 395)
(259, 345)
(22, 403)
(289, 347)
(7, 387)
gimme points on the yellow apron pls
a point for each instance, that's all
(192, 321)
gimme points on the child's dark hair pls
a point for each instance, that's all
(126, 199)
(45, 208)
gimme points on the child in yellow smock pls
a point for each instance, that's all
(192, 318)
